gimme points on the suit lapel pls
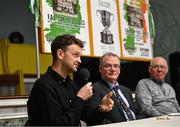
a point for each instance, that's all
(128, 98)
(107, 89)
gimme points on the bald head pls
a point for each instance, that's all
(158, 68)
(157, 60)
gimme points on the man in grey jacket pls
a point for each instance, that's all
(153, 95)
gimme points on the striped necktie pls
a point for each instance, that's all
(123, 104)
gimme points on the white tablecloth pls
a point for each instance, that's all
(163, 121)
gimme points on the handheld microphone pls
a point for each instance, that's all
(83, 76)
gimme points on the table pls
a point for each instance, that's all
(163, 121)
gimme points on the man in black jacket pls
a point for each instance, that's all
(124, 108)
(55, 99)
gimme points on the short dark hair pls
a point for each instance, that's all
(62, 41)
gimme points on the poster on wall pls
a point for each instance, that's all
(135, 31)
(105, 27)
(64, 17)
(118, 26)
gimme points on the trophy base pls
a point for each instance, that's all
(107, 38)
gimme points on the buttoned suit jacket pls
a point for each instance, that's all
(100, 89)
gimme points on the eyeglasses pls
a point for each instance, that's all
(158, 66)
(109, 66)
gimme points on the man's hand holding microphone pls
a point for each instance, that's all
(86, 92)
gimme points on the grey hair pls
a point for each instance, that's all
(158, 57)
(108, 54)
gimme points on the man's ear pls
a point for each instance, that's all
(149, 68)
(100, 69)
(60, 53)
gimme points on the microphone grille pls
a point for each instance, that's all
(84, 73)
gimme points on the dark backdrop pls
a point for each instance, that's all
(131, 72)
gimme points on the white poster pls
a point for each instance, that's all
(135, 32)
(118, 26)
(105, 27)
(64, 17)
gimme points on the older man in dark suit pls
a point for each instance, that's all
(124, 108)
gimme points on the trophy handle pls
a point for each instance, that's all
(112, 18)
(98, 13)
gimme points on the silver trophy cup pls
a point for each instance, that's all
(106, 19)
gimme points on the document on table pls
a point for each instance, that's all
(174, 114)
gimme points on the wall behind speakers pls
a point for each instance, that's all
(174, 62)
(132, 72)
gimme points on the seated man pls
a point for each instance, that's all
(55, 99)
(153, 95)
(124, 108)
